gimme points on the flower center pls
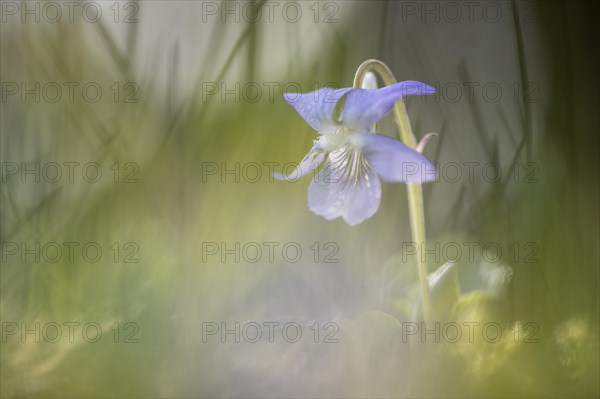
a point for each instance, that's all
(342, 138)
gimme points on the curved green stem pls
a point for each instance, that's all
(415, 191)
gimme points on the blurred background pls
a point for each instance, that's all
(137, 144)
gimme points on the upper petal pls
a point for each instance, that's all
(346, 186)
(317, 107)
(364, 108)
(395, 162)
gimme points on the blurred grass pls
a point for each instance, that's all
(170, 212)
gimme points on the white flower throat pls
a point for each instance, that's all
(341, 139)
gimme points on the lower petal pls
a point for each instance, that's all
(345, 187)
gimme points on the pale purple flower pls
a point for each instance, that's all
(348, 184)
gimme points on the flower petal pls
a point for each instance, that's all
(345, 187)
(311, 161)
(364, 108)
(395, 162)
(317, 107)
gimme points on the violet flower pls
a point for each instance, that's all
(348, 184)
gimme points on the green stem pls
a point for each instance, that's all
(415, 190)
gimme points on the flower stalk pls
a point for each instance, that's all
(415, 190)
